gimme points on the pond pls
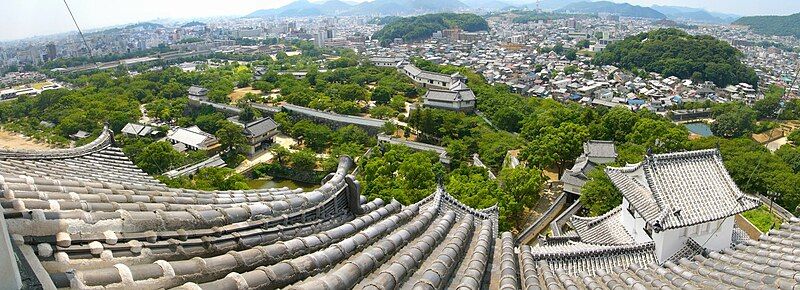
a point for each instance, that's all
(268, 182)
(699, 128)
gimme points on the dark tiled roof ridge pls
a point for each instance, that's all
(103, 141)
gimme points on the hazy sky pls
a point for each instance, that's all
(26, 18)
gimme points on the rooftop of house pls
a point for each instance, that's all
(193, 136)
(449, 96)
(197, 90)
(135, 232)
(600, 148)
(260, 127)
(675, 190)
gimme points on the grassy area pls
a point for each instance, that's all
(762, 218)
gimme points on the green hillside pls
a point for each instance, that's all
(421, 27)
(773, 25)
(673, 52)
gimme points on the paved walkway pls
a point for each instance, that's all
(247, 164)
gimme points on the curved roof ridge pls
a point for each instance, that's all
(581, 249)
(628, 168)
(104, 140)
(683, 154)
(590, 219)
(487, 213)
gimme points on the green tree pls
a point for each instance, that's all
(790, 155)
(303, 160)
(570, 69)
(315, 136)
(248, 113)
(158, 157)
(231, 137)
(383, 112)
(213, 178)
(795, 137)
(768, 107)
(521, 188)
(389, 128)
(659, 135)
(281, 153)
(509, 119)
(571, 54)
(737, 121)
(599, 195)
(617, 123)
(352, 134)
(381, 95)
(556, 146)
(458, 152)
(416, 175)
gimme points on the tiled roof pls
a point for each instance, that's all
(606, 229)
(355, 120)
(599, 148)
(88, 230)
(770, 262)
(449, 96)
(680, 189)
(260, 127)
(93, 234)
(196, 90)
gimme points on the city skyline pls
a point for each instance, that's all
(42, 18)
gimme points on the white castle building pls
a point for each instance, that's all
(677, 199)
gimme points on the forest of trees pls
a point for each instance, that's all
(530, 16)
(673, 52)
(788, 25)
(754, 168)
(421, 27)
(549, 134)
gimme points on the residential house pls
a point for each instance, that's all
(191, 138)
(458, 98)
(138, 130)
(595, 153)
(260, 133)
(197, 92)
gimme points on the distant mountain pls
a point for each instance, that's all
(405, 7)
(193, 23)
(694, 14)
(144, 25)
(772, 25)
(621, 9)
(552, 4)
(491, 5)
(304, 8)
(421, 27)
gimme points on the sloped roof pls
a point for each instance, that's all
(260, 127)
(137, 129)
(93, 220)
(600, 148)
(197, 90)
(681, 189)
(191, 136)
(606, 229)
(449, 96)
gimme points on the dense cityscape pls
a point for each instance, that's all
(394, 144)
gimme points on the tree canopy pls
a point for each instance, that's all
(421, 27)
(673, 52)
